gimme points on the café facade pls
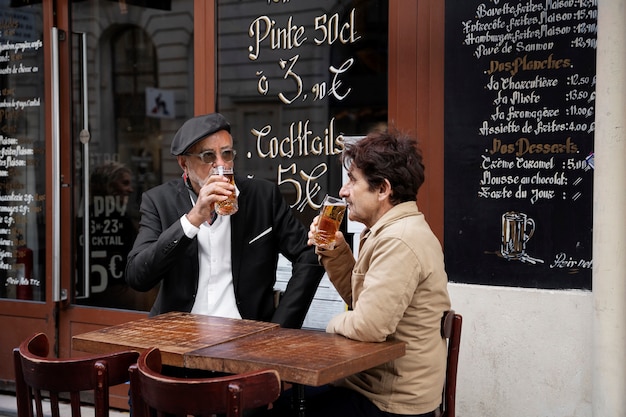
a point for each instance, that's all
(501, 96)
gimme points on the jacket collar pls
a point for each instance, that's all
(399, 211)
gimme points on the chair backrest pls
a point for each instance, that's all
(151, 391)
(37, 375)
(451, 324)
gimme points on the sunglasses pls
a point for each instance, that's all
(209, 157)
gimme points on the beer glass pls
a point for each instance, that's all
(331, 215)
(230, 205)
(517, 229)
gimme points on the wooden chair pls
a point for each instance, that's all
(151, 391)
(36, 374)
(451, 324)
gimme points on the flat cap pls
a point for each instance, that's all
(196, 129)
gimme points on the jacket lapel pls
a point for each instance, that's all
(237, 230)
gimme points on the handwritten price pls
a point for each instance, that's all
(319, 90)
(304, 194)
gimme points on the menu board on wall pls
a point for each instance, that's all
(22, 153)
(519, 132)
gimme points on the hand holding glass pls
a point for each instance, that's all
(230, 205)
(331, 215)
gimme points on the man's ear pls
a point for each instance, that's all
(385, 191)
(182, 162)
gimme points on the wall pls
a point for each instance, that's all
(524, 352)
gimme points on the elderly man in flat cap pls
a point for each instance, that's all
(220, 265)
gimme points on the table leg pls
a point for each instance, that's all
(298, 400)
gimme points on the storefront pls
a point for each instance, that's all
(93, 91)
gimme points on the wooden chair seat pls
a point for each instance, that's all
(152, 392)
(36, 375)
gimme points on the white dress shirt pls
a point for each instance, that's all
(216, 294)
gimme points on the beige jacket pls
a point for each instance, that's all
(397, 289)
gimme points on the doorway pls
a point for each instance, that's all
(131, 89)
(108, 84)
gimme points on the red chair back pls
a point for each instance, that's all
(151, 391)
(451, 324)
(37, 376)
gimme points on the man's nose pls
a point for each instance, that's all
(219, 160)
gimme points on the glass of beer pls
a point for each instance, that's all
(331, 215)
(230, 205)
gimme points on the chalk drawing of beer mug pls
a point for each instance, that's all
(517, 229)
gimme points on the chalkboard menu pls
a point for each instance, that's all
(22, 154)
(519, 130)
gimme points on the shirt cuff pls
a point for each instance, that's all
(190, 230)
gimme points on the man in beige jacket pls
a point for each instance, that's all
(395, 290)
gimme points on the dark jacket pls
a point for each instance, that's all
(163, 254)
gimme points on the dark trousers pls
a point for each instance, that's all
(330, 401)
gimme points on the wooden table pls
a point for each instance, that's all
(304, 357)
(174, 334)
(301, 357)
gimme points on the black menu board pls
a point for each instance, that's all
(22, 154)
(519, 130)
